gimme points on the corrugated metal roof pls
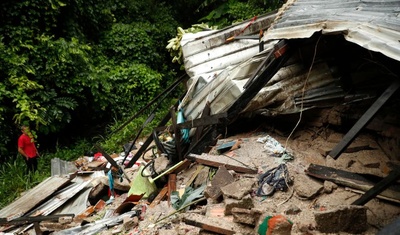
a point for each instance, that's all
(33, 197)
(372, 24)
(208, 53)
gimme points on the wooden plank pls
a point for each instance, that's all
(393, 176)
(31, 219)
(148, 141)
(377, 196)
(171, 186)
(159, 197)
(349, 179)
(219, 226)
(178, 137)
(186, 163)
(34, 197)
(199, 130)
(194, 175)
(221, 160)
(364, 120)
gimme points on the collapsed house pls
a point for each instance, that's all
(335, 62)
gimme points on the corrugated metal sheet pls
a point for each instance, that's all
(33, 197)
(60, 198)
(209, 53)
(299, 85)
(372, 24)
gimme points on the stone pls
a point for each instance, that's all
(329, 186)
(238, 189)
(220, 179)
(350, 219)
(130, 222)
(245, 216)
(306, 187)
(292, 210)
(245, 203)
(220, 226)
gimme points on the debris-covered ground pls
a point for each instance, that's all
(222, 192)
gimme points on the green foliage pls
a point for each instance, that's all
(43, 81)
(132, 42)
(70, 153)
(174, 44)
(14, 180)
(79, 64)
(84, 19)
(120, 89)
(134, 128)
(232, 11)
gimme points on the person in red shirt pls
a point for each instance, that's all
(27, 148)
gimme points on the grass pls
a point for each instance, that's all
(14, 180)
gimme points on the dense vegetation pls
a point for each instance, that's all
(75, 70)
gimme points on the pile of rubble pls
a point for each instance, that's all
(251, 183)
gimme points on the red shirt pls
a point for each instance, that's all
(27, 144)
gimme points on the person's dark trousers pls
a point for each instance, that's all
(31, 164)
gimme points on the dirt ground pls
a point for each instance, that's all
(306, 145)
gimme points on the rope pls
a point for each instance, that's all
(303, 92)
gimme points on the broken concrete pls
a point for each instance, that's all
(311, 191)
(238, 189)
(350, 219)
(221, 179)
(245, 203)
(220, 226)
(245, 216)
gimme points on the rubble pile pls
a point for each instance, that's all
(249, 183)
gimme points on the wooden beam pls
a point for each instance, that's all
(364, 120)
(221, 160)
(350, 179)
(171, 186)
(178, 137)
(148, 141)
(216, 225)
(382, 185)
(159, 197)
(32, 219)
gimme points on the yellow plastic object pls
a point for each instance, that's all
(140, 184)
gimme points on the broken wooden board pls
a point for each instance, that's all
(350, 179)
(31, 219)
(221, 160)
(33, 197)
(378, 196)
(382, 185)
(159, 197)
(219, 226)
